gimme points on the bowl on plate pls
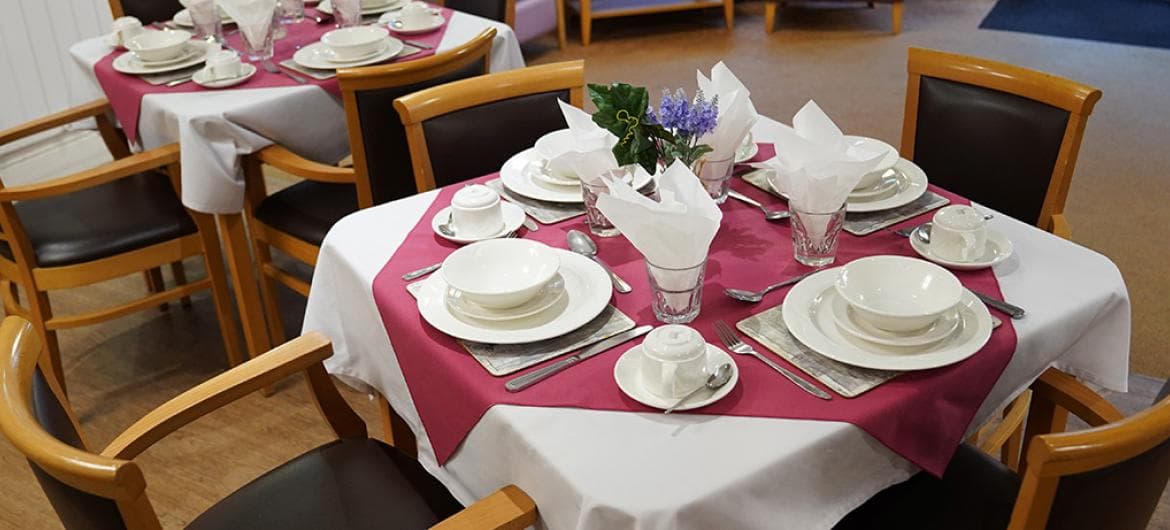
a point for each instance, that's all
(355, 42)
(862, 148)
(158, 46)
(898, 294)
(500, 273)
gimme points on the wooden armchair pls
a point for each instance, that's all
(896, 8)
(352, 482)
(120, 218)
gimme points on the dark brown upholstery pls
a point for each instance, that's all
(149, 11)
(490, 9)
(77, 509)
(102, 221)
(347, 484)
(307, 210)
(992, 147)
(1118, 497)
(497, 131)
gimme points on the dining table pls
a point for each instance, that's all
(641, 469)
(215, 128)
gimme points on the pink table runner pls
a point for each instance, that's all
(125, 91)
(919, 415)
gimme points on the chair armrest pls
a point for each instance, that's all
(301, 354)
(78, 113)
(1012, 422)
(1060, 226)
(1063, 390)
(281, 158)
(509, 508)
(109, 172)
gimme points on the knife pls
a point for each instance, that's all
(536, 376)
(1014, 311)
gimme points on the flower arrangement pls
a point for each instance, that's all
(647, 135)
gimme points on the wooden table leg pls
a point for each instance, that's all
(770, 16)
(235, 238)
(896, 16)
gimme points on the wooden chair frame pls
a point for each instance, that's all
(415, 109)
(352, 81)
(588, 15)
(37, 281)
(112, 473)
(771, 6)
(1075, 98)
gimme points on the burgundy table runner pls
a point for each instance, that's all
(920, 415)
(125, 91)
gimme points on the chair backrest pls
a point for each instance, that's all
(469, 128)
(498, 10)
(148, 11)
(998, 134)
(377, 140)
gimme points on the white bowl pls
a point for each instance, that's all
(555, 144)
(896, 293)
(500, 273)
(358, 41)
(155, 46)
(864, 148)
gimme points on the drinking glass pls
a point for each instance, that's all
(292, 11)
(814, 235)
(598, 224)
(207, 21)
(715, 174)
(677, 292)
(258, 38)
(347, 12)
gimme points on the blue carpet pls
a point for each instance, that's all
(1137, 22)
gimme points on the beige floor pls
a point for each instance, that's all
(843, 58)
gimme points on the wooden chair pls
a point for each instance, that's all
(1110, 476)
(469, 128)
(352, 482)
(771, 6)
(998, 134)
(588, 12)
(498, 10)
(296, 219)
(148, 11)
(117, 219)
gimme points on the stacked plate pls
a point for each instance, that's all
(153, 52)
(349, 47)
(888, 313)
(368, 7)
(542, 172)
(512, 291)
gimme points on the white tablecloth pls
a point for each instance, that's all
(618, 470)
(214, 128)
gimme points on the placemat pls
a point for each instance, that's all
(546, 213)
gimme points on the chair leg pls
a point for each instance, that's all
(562, 40)
(41, 311)
(213, 260)
(896, 14)
(155, 284)
(586, 22)
(770, 16)
(180, 275)
(395, 430)
(269, 291)
(729, 14)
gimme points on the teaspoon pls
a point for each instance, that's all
(769, 215)
(756, 296)
(721, 376)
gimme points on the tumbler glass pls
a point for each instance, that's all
(347, 12)
(677, 292)
(715, 174)
(598, 224)
(815, 234)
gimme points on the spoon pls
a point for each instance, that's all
(769, 215)
(447, 228)
(721, 376)
(581, 244)
(756, 296)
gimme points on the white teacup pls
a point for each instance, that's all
(224, 65)
(125, 28)
(476, 212)
(674, 361)
(415, 14)
(959, 233)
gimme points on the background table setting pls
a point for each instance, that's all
(865, 395)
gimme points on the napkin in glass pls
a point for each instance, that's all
(253, 17)
(674, 232)
(737, 115)
(591, 152)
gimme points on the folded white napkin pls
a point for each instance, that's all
(814, 165)
(737, 115)
(253, 17)
(588, 167)
(675, 232)
(591, 151)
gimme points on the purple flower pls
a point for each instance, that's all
(685, 117)
(704, 116)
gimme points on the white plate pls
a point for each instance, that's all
(435, 23)
(185, 55)
(849, 322)
(587, 293)
(887, 185)
(547, 297)
(128, 63)
(517, 176)
(200, 78)
(318, 55)
(911, 186)
(325, 6)
(808, 315)
(628, 374)
(999, 248)
(513, 218)
(746, 152)
(183, 18)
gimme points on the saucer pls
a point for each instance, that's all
(628, 374)
(587, 293)
(518, 175)
(547, 297)
(998, 248)
(391, 22)
(128, 63)
(513, 219)
(318, 55)
(809, 316)
(326, 6)
(848, 321)
(200, 77)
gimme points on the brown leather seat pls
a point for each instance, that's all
(123, 215)
(490, 9)
(148, 11)
(308, 209)
(346, 484)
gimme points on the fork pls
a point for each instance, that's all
(733, 343)
(273, 69)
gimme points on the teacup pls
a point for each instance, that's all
(415, 14)
(674, 361)
(223, 65)
(158, 46)
(125, 28)
(958, 233)
(476, 212)
(354, 42)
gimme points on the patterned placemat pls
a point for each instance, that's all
(544, 212)
(504, 359)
